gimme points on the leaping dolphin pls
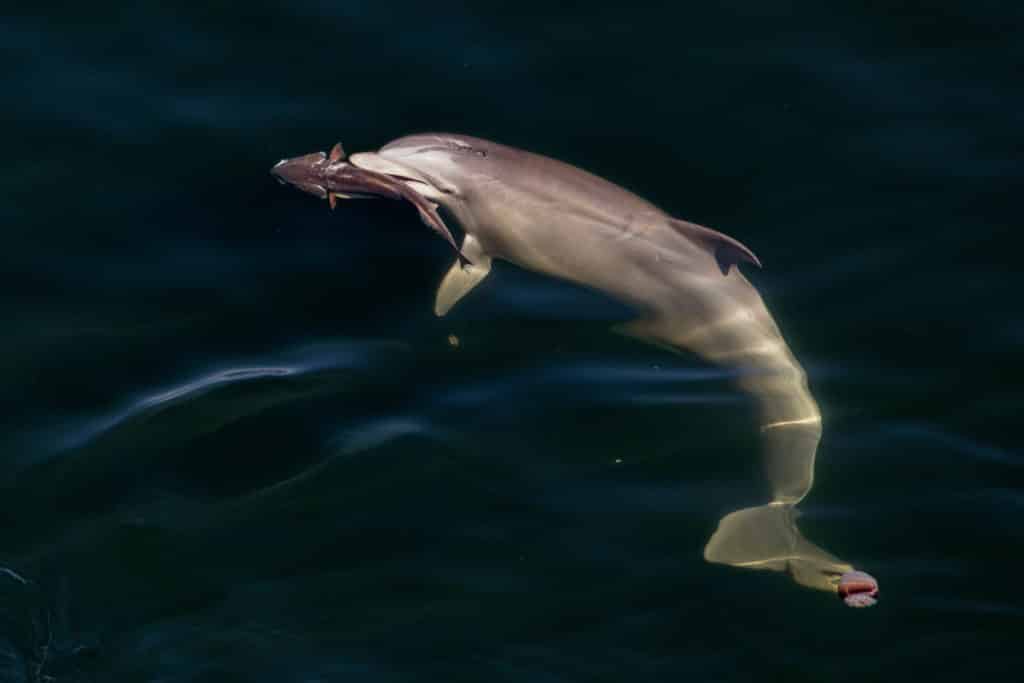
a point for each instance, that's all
(682, 278)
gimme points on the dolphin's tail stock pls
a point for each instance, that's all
(767, 537)
(739, 333)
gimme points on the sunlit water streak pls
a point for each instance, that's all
(924, 435)
(302, 361)
(606, 381)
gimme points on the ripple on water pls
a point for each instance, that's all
(306, 360)
(604, 381)
(880, 437)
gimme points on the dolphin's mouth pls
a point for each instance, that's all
(370, 175)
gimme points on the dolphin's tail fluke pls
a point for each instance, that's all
(766, 537)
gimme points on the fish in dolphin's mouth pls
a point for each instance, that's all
(858, 589)
(330, 177)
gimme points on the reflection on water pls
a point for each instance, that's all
(81, 436)
(224, 376)
(319, 357)
(13, 575)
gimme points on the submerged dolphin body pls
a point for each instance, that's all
(550, 217)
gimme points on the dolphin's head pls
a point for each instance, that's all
(432, 165)
(305, 172)
(449, 161)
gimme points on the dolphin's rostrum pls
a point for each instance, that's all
(681, 278)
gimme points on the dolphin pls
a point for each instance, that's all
(682, 279)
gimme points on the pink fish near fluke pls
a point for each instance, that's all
(858, 589)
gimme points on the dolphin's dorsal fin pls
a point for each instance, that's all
(727, 251)
(462, 277)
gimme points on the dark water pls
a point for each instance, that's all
(237, 445)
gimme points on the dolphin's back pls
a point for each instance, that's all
(533, 172)
(545, 214)
(567, 189)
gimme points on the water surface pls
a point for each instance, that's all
(237, 445)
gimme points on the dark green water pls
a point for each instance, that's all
(238, 446)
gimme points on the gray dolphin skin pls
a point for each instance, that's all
(682, 279)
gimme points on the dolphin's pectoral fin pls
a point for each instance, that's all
(462, 277)
(728, 251)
